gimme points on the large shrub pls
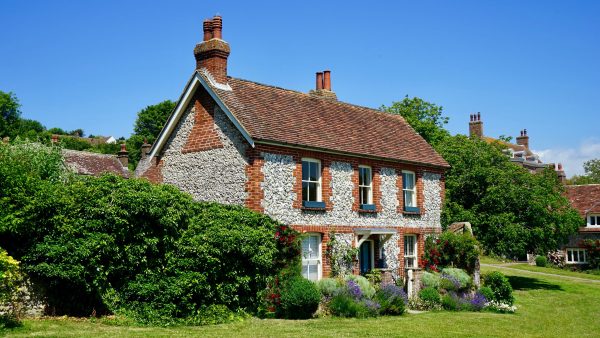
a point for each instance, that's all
(109, 244)
(541, 261)
(392, 300)
(430, 297)
(501, 288)
(430, 279)
(451, 250)
(459, 277)
(366, 289)
(299, 298)
(593, 252)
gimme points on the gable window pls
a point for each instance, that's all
(594, 220)
(311, 183)
(311, 257)
(409, 189)
(365, 187)
(576, 256)
(410, 251)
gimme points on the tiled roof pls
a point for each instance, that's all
(514, 147)
(293, 118)
(584, 198)
(86, 163)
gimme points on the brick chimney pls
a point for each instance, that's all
(145, 149)
(123, 156)
(323, 87)
(476, 126)
(562, 177)
(54, 139)
(211, 54)
(523, 140)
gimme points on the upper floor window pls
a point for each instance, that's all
(365, 185)
(409, 188)
(311, 182)
(594, 220)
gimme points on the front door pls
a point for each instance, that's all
(366, 257)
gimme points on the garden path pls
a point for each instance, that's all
(507, 267)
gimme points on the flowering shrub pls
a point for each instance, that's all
(479, 301)
(430, 298)
(449, 283)
(11, 281)
(392, 298)
(341, 254)
(501, 307)
(593, 252)
(450, 250)
(430, 280)
(459, 277)
(365, 287)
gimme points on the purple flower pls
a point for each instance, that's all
(354, 289)
(478, 302)
(452, 279)
(371, 305)
(391, 291)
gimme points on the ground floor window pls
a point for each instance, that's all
(311, 256)
(410, 251)
(576, 256)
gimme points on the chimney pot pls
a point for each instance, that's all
(123, 156)
(217, 26)
(207, 26)
(478, 116)
(145, 149)
(327, 80)
(319, 80)
(54, 138)
(476, 126)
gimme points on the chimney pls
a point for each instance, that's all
(211, 54)
(562, 177)
(123, 156)
(54, 139)
(323, 87)
(145, 149)
(523, 140)
(476, 126)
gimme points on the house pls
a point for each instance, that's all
(86, 163)
(518, 153)
(586, 199)
(325, 167)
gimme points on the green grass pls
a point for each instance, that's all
(492, 260)
(548, 306)
(555, 271)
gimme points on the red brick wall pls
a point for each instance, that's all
(255, 177)
(203, 135)
(419, 185)
(154, 172)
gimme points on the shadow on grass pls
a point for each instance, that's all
(528, 283)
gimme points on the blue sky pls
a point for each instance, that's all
(522, 64)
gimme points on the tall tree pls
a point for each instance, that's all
(9, 113)
(592, 173)
(148, 125)
(425, 117)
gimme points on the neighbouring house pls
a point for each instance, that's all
(330, 169)
(95, 140)
(518, 153)
(586, 199)
(86, 163)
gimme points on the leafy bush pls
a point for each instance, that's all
(500, 286)
(458, 275)
(392, 299)
(451, 301)
(10, 281)
(593, 252)
(299, 298)
(430, 297)
(449, 283)
(344, 305)
(430, 280)
(366, 289)
(328, 286)
(451, 249)
(541, 261)
(486, 292)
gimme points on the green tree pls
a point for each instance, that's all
(426, 118)
(148, 125)
(9, 113)
(592, 173)
(512, 211)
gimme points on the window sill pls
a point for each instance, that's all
(367, 211)
(313, 205)
(411, 211)
(312, 209)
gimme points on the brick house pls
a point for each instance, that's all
(586, 199)
(324, 167)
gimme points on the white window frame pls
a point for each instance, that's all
(572, 253)
(415, 255)
(319, 259)
(596, 222)
(363, 186)
(413, 190)
(319, 185)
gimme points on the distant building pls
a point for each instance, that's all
(586, 199)
(86, 163)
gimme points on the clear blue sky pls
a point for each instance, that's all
(522, 64)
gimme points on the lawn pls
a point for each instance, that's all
(548, 306)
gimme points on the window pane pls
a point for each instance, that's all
(312, 192)
(314, 247)
(361, 176)
(305, 191)
(364, 195)
(368, 176)
(409, 245)
(408, 198)
(592, 220)
(575, 255)
(305, 248)
(410, 262)
(569, 256)
(313, 273)
(409, 180)
(314, 174)
(305, 170)
(305, 270)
